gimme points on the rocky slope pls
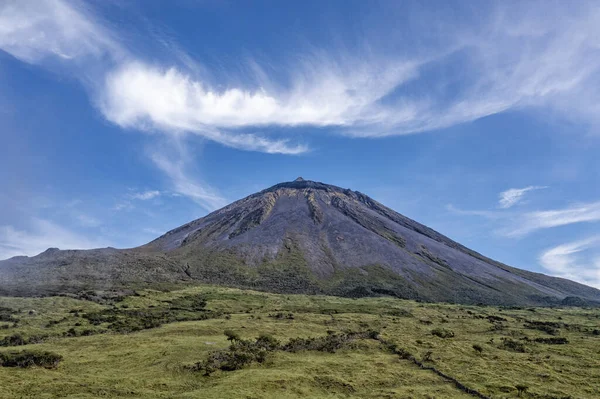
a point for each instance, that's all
(300, 237)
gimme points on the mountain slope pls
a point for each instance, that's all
(305, 237)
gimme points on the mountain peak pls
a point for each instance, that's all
(299, 178)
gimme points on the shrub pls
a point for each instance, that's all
(6, 314)
(552, 341)
(548, 327)
(281, 316)
(13, 340)
(25, 359)
(267, 342)
(399, 313)
(232, 335)
(512, 345)
(240, 354)
(478, 348)
(442, 333)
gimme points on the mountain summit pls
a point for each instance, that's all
(301, 237)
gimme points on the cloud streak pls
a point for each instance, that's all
(176, 164)
(145, 195)
(513, 196)
(533, 221)
(578, 261)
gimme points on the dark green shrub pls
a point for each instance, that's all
(512, 345)
(281, 316)
(549, 327)
(399, 313)
(267, 342)
(13, 340)
(478, 348)
(25, 359)
(232, 335)
(7, 314)
(552, 341)
(442, 333)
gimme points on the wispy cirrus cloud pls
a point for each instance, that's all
(513, 196)
(176, 164)
(533, 221)
(519, 224)
(578, 261)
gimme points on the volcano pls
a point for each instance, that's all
(300, 237)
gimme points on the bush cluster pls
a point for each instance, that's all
(281, 316)
(548, 327)
(442, 333)
(121, 320)
(512, 345)
(329, 343)
(25, 359)
(552, 341)
(7, 314)
(19, 340)
(242, 353)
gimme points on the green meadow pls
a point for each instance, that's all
(155, 344)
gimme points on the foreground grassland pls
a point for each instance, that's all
(143, 346)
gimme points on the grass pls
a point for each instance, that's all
(157, 360)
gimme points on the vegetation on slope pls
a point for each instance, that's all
(294, 346)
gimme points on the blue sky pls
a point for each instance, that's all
(124, 119)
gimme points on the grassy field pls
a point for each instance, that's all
(143, 346)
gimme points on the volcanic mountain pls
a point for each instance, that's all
(299, 237)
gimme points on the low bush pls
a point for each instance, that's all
(186, 308)
(442, 333)
(330, 343)
(242, 353)
(478, 348)
(282, 316)
(25, 359)
(512, 345)
(7, 314)
(548, 327)
(552, 341)
(19, 340)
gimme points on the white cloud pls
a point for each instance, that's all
(43, 234)
(513, 196)
(578, 261)
(145, 195)
(33, 30)
(512, 57)
(532, 221)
